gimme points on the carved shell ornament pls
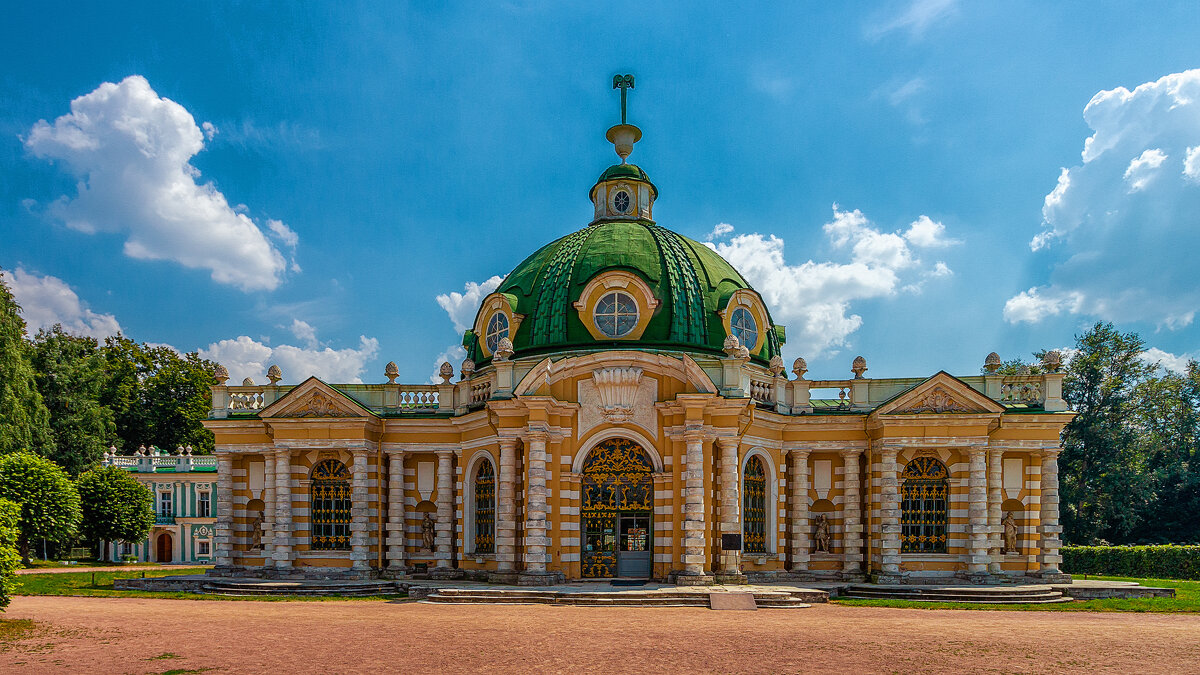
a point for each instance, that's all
(274, 374)
(776, 365)
(504, 349)
(446, 372)
(732, 344)
(938, 400)
(992, 363)
(800, 367)
(221, 374)
(617, 389)
(391, 372)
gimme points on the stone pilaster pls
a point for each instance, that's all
(852, 528)
(695, 526)
(223, 539)
(889, 516)
(506, 507)
(729, 519)
(397, 528)
(268, 499)
(977, 512)
(282, 553)
(537, 540)
(798, 510)
(1048, 528)
(995, 500)
(360, 508)
(444, 528)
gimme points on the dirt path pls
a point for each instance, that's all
(126, 635)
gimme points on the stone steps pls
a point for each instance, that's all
(1023, 595)
(765, 599)
(348, 588)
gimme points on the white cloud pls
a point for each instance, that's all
(245, 357)
(1123, 222)
(304, 332)
(814, 299)
(940, 269)
(462, 307)
(1167, 360)
(719, 231)
(47, 300)
(914, 19)
(928, 233)
(130, 151)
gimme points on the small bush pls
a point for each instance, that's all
(1163, 562)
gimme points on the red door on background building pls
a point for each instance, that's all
(164, 547)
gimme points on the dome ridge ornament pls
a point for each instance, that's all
(623, 135)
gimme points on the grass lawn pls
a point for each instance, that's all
(82, 584)
(56, 564)
(1186, 600)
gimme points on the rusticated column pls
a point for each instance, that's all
(995, 499)
(444, 529)
(695, 553)
(851, 514)
(506, 507)
(397, 528)
(268, 499)
(1049, 529)
(730, 521)
(283, 508)
(223, 540)
(359, 510)
(536, 541)
(977, 512)
(798, 503)
(889, 515)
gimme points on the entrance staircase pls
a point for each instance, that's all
(999, 595)
(246, 587)
(622, 598)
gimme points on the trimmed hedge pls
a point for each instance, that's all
(1161, 562)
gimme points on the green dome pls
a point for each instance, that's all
(626, 171)
(691, 281)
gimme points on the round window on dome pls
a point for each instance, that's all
(616, 314)
(497, 328)
(744, 327)
(621, 201)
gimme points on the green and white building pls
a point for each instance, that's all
(184, 488)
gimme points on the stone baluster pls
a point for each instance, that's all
(360, 508)
(730, 521)
(1048, 527)
(282, 552)
(397, 528)
(444, 529)
(223, 541)
(798, 487)
(995, 500)
(268, 500)
(852, 528)
(977, 512)
(506, 508)
(695, 526)
(889, 516)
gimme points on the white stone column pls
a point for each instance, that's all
(268, 499)
(397, 528)
(798, 516)
(889, 515)
(536, 540)
(695, 526)
(223, 540)
(359, 510)
(1048, 527)
(283, 509)
(444, 529)
(995, 500)
(506, 507)
(730, 520)
(851, 514)
(977, 512)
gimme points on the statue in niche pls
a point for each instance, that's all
(1009, 524)
(256, 532)
(427, 533)
(822, 536)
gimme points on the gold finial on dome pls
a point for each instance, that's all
(623, 135)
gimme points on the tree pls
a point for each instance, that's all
(70, 376)
(10, 560)
(116, 507)
(48, 499)
(1166, 418)
(24, 419)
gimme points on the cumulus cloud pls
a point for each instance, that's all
(719, 230)
(48, 300)
(814, 299)
(1167, 360)
(130, 151)
(928, 233)
(1122, 223)
(246, 357)
(304, 332)
(462, 307)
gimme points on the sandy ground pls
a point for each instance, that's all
(125, 635)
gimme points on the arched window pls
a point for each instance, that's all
(744, 327)
(923, 496)
(329, 515)
(754, 506)
(497, 328)
(485, 508)
(616, 314)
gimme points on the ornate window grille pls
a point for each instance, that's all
(923, 496)
(754, 506)
(485, 508)
(329, 515)
(617, 478)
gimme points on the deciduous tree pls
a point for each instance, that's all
(116, 507)
(49, 501)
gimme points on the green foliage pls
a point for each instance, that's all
(10, 560)
(24, 419)
(116, 507)
(1167, 562)
(70, 374)
(48, 499)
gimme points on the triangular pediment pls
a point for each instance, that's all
(942, 394)
(313, 398)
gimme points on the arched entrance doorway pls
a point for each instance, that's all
(618, 501)
(164, 547)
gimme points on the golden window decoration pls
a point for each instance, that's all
(923, 498)
(485, 508)
(329, 514)
(754, 506)
(617, 480)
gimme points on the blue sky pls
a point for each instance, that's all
(297, 183)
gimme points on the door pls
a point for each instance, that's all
(633, 558)
(164, 547)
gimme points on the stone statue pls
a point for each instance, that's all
(1010, 533)
(822, 536)
(427, 533)
(256, 532)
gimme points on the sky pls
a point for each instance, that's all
(332, 186)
